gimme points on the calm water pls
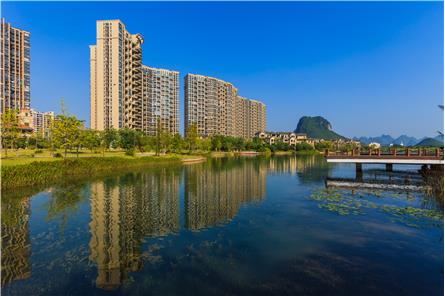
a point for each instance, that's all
(251, 226)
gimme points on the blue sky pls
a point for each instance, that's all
(369, 68)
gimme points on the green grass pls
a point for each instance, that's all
(308, 152)
(32, 172)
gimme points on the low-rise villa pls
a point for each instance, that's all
(286, 137)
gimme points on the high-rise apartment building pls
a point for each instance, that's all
(255, 116)
(115, 77)
(210, 104)
(14, 68)
(215, 108)
(160, 100)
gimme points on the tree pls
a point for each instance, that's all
(128, 139)
(109, 138)
(191, 137)
(66, 131)
(205, 144)
(239, 144)
(10, 129)
(217, 142)
(176, 143)
(303, 146)
(90, 139)
(158, 135)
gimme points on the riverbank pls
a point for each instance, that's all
(38, 173)
(40, 170)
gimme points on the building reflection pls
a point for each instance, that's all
(16, 247)
(124, 210)
(214, 192)
(308, 168)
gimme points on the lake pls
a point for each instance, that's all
(228, 226)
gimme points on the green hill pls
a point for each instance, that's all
(317, 128)
(429, 142)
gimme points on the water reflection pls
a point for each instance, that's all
(309, 168)
(16, 247)
(118, 220)
(215, 191)
(124, 210)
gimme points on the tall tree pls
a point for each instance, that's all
(9, 128)
(90, 139)
(176, 143)
(109, 138)
(66, 132)
(191, 137)
(159, 132)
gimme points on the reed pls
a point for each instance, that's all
(44, 173)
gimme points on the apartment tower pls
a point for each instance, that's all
(210, 104)
(115, 77)
(160, 103)
(215, 108)
(15, 68)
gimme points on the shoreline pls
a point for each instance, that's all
(42, 173)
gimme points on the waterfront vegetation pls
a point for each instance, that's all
(46, 172)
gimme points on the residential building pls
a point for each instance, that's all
(251, 117)
(209, 105)
(14, 68)
(214, 107)
(286, 137)
(42, 122)
(25, 121)
(160, 100)
(115, 77)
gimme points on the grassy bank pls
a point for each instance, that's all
(39, 173)
(308, 152)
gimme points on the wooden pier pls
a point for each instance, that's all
(388, 156)
(434, 158)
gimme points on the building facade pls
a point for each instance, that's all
(214, 107)
(160, 100)
(15, 68)
(250, 117)
(210, 105)
(115, 77)
(289, 138)
(42, 122)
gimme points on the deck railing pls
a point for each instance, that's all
(436, 153)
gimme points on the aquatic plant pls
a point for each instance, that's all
(344, 203)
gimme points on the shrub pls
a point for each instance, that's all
(130, 152)
(38, 151)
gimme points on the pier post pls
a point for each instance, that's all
(358, 171)
(388, 167)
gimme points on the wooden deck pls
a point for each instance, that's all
(389, 156)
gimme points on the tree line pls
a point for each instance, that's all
(68, 134)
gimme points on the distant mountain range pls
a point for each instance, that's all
(430, 142)
(317, 127)
(386, 140)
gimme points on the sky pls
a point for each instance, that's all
(370, 68)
